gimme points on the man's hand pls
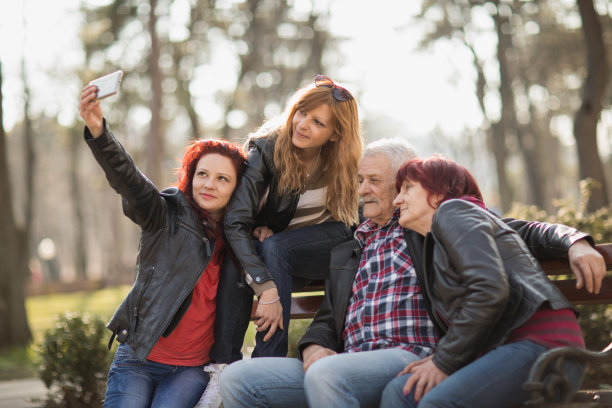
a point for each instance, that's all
(588, 265)
(315, 352)
(262, 232)
(425, 376)
(269, 313)
(90, 110)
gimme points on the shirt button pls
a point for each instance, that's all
(258, 279)
(367, 328)
(124, 332)
(374, 275)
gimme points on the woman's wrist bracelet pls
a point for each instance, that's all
(270, 302)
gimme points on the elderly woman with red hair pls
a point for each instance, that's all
(495, 308)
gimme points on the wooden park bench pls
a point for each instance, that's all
(306, 301)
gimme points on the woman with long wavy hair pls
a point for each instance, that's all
(297, 200)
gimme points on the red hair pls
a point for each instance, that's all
(193, 153)
(441, 176)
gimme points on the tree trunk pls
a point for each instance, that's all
(80, 238)
(14, 329)
(155, 143)
(248, 62)
(587, 116)
(507, 119)
(530, 149)
(495, 135)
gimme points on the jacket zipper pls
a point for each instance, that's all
(140, 295)
(209, 255)
(167, 322)
(198, 234)
(420, 270)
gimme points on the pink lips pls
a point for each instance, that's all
(300, 136)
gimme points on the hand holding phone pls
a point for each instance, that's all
(108, 84)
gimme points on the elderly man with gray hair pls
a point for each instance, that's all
(373, 320)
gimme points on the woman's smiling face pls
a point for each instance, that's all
(416, 212)
(213, 183)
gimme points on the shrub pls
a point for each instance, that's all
(75, 361)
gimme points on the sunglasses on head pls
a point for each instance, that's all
(338, 92)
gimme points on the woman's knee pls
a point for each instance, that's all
(393, 394)
(233, 376)
(273, 246)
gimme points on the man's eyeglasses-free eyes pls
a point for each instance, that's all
(338, 92)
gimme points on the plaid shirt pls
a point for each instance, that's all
(386, 308)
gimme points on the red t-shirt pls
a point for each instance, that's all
(190, 342)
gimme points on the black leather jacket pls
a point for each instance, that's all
(243, 213)
(480, 277)
(545, 241)
(174, 250)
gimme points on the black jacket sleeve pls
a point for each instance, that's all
(328, 324)
(545, 240)
(240, 216)
(142, 202)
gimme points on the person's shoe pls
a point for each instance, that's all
(211, 398)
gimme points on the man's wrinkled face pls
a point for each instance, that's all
(377, 188)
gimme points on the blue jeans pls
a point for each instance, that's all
(141, 384)
(293, 258)
(493, 380)
(343, 380)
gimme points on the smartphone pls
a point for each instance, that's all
(108, 84)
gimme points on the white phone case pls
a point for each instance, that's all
(108, 84)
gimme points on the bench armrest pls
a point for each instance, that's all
(547, 381)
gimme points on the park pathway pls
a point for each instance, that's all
(19, 393)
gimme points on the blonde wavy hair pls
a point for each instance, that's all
(340, 157)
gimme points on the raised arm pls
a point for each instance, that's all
(142, 202)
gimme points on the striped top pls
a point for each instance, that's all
(311, 206)
(550, 328)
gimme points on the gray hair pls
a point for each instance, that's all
(396, 149)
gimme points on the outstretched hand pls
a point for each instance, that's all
(588, 265)
(90, 110)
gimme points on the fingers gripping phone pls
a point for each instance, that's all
(108, 84)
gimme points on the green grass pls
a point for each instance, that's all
(18, 362)
(43, 311)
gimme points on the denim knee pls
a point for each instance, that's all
(238, 383)
(393, 394)
(321, 376)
